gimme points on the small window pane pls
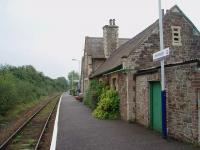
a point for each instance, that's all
(175, 39)
(176, 34)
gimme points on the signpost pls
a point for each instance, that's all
(163, 92)
(160, 55)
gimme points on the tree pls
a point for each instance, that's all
(25, 84)
(73, 77)
(62, 83)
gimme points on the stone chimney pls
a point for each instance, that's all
(110, 38)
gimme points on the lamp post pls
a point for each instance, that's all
(72, 79)
(78, 68)
(163, 92)
(79, 64)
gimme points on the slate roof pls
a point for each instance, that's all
(94, 46)
(115, 60)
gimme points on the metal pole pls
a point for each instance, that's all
(79, 65)
(163, 92)
(161, 45)
(79, 68)
(72, 78)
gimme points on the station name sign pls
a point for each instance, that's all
(160, 55)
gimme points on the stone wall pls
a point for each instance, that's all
(182, 102)
(182, 83)
(142, 98)
(122, 90)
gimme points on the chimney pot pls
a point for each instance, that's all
(110, 21)
(114, 22)
(163, 12)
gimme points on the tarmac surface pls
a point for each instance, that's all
(78, 130)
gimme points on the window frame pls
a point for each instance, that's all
(176, 30)
(116, 82)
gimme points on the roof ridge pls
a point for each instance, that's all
(133, 39)
(94, 37)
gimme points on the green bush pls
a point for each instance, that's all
(8, 94)
(91, 96)
(108, 106)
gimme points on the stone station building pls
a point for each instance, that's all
(97, 50)
(130, 70)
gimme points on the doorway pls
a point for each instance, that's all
(155, 106)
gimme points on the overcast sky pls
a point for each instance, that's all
(48, 34)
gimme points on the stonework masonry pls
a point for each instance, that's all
(182, 111)
(110, 37)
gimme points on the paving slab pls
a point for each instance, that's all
(78, 130)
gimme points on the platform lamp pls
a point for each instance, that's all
(79, 63)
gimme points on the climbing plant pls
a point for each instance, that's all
(93, 93)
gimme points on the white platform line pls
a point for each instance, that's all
(55, 129)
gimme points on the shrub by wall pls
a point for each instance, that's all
(108, 105)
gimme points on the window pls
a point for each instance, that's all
(89, 69)
(100, 80)
(114, 83)
(89, 60)
(176, 35)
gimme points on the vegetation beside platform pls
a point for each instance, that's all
(103, 100)
(20, 86)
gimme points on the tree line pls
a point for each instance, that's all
(24, 84)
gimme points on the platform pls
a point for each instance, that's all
(78, 130)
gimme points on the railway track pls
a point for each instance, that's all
(29, 134)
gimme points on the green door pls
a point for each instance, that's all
(155, 102)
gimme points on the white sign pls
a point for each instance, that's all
(160, 55)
